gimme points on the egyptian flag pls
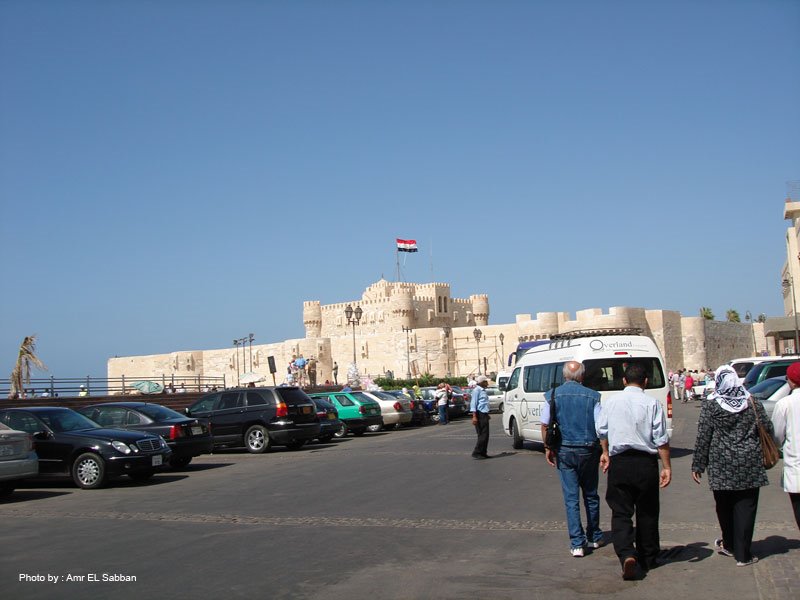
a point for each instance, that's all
(406, 245)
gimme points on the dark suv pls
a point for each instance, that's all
(258, 418)
(767, 369)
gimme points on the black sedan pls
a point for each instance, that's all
(70, 444)
(185, 436)
(328, 419)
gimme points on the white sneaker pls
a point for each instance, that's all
(753, 560)
(577, 552)
(596, 545)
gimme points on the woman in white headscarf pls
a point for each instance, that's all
(728, 446)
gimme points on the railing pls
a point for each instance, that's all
(53, 387)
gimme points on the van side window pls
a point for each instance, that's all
(513, 381)
(540, 378)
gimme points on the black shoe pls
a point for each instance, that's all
(478, 456)
(485, 456)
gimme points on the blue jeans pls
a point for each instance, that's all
(443, 415)
(578, 469)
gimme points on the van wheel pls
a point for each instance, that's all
(516, 437)
(256, 440)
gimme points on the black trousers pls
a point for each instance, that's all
(736, 513)
(633, 490)
(482, 429)
(795, 498)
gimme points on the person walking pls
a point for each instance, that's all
(442, 401)
(479, 407)
(335, 373)
(786, 424)
(578, 457)
(688, 385)
(728, 446)
(311, 369)
(632, 429)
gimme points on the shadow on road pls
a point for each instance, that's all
(25, 495)
(773, 545)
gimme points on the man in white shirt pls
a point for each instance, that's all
(786, 421)
(632, 429)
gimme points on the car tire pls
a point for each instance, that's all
(89, 471)
(141, 476)
(295, 445)
(179, 462)
(256, 439)
(517, 440)
(342, 431)
(374, 428)
(500, 408)
(434, 418)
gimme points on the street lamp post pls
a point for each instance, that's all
(408, 352)
(236, 345)
(350, 313)
(502, 352)
(478, 333)
(788, 284)
(748, 316)
(250, 339)
(447, 331)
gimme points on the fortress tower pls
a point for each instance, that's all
(312, 318)
(480, 309)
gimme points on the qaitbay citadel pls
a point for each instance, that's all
(419, 328)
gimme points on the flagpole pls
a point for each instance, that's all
(397, 255)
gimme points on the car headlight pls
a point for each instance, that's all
(120, 447)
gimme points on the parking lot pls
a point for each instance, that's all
(400, 514)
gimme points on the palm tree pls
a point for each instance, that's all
(21, 375)
(706, 313)
(732, 316)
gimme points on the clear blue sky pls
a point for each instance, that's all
(175, 174)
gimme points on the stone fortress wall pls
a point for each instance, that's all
(441, 340)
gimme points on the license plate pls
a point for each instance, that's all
(157, 460)
(197, 430)
(306, 410)
(331, 417)
(6, 450)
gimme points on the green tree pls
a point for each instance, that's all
(26, 360)
(762, 318)
(706, 313)
(732, 316)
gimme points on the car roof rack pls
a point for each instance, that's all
(580, 333)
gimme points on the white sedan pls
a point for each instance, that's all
(770, 391)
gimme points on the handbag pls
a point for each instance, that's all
(552, 438)
(769, 451)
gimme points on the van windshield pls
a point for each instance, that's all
(605, 374)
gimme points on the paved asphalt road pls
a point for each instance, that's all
(406, 514)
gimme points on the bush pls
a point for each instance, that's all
(426, 380)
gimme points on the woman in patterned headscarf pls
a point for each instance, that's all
(728, 445)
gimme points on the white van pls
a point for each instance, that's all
(604, 354)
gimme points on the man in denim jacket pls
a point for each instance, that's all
(578, 457)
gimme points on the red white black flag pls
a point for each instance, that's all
(406, 245)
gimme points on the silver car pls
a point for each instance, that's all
(496, 397)
(18, 460)
(394, 411)
(770, 391)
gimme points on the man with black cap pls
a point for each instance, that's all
(479, 407)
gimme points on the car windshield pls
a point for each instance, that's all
(158, 412)
(384, 396)
(742, 368)
(293, 396)
(766, 388)
(66, 420)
